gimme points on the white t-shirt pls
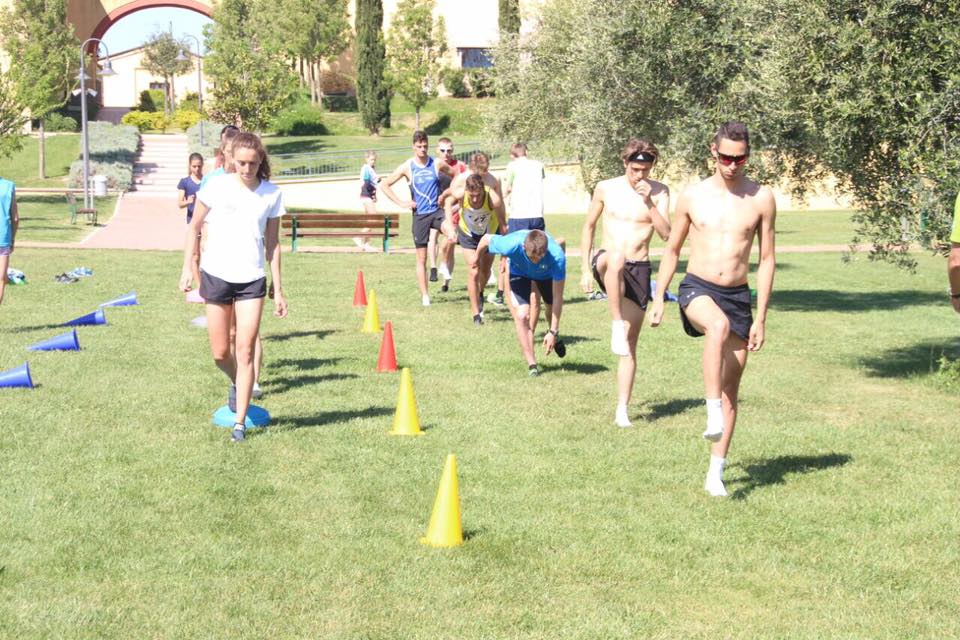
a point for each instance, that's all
(235, 227)
(525, 177)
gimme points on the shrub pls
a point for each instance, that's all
(453, 81)
(151, 100)
(302, 119)
(59, 122)
(340, 103)
(183, 119)
(189, 102)
(481, 82)
(146, 120)
(113, 149)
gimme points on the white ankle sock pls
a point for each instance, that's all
(622, 418)
(714, 429)
(714, 481)
(618, 338)
(425, 300)
(716, 466)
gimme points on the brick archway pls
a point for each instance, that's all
(92, 18)
(138, 5)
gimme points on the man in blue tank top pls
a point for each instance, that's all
(423, 175)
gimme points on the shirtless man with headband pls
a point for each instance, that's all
(722, 215)
(632, 207)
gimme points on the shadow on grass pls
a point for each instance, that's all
(670, 408)
(918, 359)
(586, 368)
(775, 470)
(279, 385)
(36, 327)
(304, 364)
(438, 127)
(279, 337)
(569, 340)
(850, 301)
(330, 417)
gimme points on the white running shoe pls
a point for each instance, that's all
(257, 392)
(443, 271)
(622, 419)
(425, 300)
(618, 338)
(714, 486)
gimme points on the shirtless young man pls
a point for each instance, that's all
(481, 213)
(632, 207)
(722, 214)
(438, 243)
(423, 175)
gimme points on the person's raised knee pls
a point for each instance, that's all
(719, 327)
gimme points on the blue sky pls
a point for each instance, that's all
(133, 30)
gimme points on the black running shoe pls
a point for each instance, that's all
(232, 398)
(477, 320)
(560, 348)
(446, 286)
(239, 433)
(433, 274)
(499, 298)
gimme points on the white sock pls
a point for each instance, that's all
(622, 418)
(443, 271)
(714, 429)
(714, 482)
(425, 300)
(618, 338)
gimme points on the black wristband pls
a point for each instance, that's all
(555, 333)
(954, 295)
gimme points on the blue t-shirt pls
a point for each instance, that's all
(7, 191)
(425, 186)
(553, 265)
(190, 188)
(219, 171)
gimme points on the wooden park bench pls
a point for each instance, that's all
(71, 195)
(305, 224)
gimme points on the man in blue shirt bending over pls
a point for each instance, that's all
(535, 259)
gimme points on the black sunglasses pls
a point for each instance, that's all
(728, 160)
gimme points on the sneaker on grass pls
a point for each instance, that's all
(239, 433)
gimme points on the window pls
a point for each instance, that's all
(475, 57)
(162, 86)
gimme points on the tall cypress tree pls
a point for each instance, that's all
(373, 99)
(509, 17)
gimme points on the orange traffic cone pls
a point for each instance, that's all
(387, 362)
(446, 527)
(360, 291)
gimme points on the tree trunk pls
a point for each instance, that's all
(417, 126)
(43, 155)
(300, 66)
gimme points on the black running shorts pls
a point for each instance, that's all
(733, 301)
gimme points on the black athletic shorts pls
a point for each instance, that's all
(468, 240)
(423, 224)
(217, 291)
(521, 224)
(733, 301)
(520, 288)
(636, 280)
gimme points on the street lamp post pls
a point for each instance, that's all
(107, 71)
(199, 82)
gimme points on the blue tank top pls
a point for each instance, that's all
(6, 226)
(425, 187)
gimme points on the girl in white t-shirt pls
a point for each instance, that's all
(242, 212)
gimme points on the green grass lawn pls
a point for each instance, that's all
(46, 218)
(22, 167)
(125, 514)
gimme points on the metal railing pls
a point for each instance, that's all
(346, 163)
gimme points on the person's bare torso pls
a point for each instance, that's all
(722, 227)
(627, 224)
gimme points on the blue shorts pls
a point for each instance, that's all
(521, 224)
(520, 288)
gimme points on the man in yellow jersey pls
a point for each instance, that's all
(953, 268)
(632, 207)
(481, 212)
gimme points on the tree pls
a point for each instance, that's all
(12, 118)
(415, 46)
(37, 36)
(870, 91)
(251, 72)
(509, 16)
(312, 32)
(372, 96)
(160, 57)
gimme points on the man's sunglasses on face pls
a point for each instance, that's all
(728, 160)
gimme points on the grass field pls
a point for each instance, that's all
(22, 167)
(124, 513)
(46, 218)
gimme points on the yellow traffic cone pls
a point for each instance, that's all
(405, 420)
(371, 321)
(446, 527)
